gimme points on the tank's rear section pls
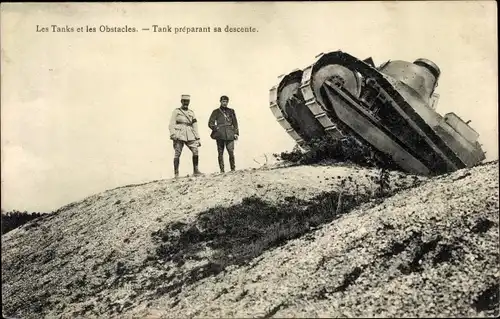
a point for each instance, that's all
(390, 109)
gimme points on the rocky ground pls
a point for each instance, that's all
(304, 241)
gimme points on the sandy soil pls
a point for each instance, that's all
(422, 247)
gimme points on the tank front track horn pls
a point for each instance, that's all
(280, 114)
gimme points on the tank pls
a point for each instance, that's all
(390, 109)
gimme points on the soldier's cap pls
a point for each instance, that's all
(224, 98)
(185, 97)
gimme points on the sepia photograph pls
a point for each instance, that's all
(263, 159)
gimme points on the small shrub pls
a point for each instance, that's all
(347, 149)
(383, 182)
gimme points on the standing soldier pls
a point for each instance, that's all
(184, 130)
(224, 126)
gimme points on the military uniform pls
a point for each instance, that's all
(183, 129)
(225, 131)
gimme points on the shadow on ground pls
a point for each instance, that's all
(235, 235)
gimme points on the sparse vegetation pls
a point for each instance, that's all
(327, 148)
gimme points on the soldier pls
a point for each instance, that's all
(224, 126)
(184, 130)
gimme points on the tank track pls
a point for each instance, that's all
(377, 80)
(433, 152)
(278, 114)
(316, 108)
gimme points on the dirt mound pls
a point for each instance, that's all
(297, 241)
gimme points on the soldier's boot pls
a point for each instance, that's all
(176, 167)
(196, 172)
(221, 164)
(231, 162)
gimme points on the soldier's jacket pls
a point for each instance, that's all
(223, 124)
(183, 125)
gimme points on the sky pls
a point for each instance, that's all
(85, 112)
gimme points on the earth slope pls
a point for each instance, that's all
(302, 241)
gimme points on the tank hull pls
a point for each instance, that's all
(392, 112)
